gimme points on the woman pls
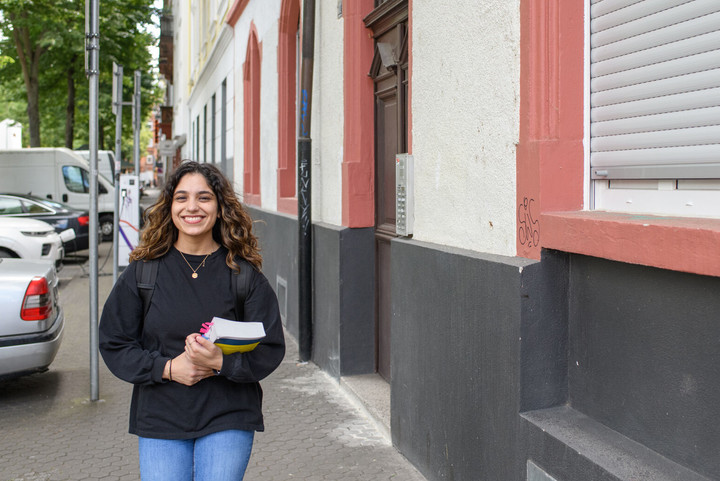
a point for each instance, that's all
(194, 408)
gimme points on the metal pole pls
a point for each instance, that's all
(304, 185)
(117, 105)
(136, 123)
(136, 132)
(92, 11)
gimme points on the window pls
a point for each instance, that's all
(205, 134)
(33, 208)
(226, 166)
(251, 96)
(288, 85)
(197, 138)
(10, 206)
(554, 102)
(76, 179)
(655, 106)
(212, 130)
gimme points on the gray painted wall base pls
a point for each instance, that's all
(278, 237)
(588, 369)
(344, 312)
(562, 434)
(499, 361)
(343, 288)
(455, 369)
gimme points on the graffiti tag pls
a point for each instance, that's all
(528, 233)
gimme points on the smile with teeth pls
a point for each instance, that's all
(193, 219)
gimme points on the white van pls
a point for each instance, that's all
(106, 163)
(58, 174)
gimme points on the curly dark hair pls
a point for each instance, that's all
(233, 229)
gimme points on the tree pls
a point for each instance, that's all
(30, 40)
(44, 41)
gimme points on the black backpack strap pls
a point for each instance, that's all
(241, 287)
(145, 276)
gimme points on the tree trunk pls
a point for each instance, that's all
(101, 135)
(30, 64)
(70, 110)
(33, 111)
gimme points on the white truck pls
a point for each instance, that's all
(59, 174)
(106, 163)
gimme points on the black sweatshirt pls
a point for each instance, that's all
(137, 351)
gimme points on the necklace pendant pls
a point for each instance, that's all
(194, 275)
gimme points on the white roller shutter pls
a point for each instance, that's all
(655, 89)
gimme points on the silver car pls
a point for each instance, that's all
(31, 320)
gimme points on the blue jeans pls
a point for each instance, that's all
(221, 456)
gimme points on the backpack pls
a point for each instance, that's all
(146, 274)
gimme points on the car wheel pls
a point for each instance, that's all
(106, 227)
(7, 254)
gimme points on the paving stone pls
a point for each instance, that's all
(52, 432)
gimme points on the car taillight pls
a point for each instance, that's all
(84, 220)
(37, 304)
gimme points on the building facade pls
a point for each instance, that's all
(537, 280)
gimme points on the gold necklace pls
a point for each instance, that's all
(194, 274)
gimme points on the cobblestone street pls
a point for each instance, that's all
(52, 432)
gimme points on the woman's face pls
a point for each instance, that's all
(194, 208)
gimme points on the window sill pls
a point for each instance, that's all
(677, 243)
(251, 199)
(287, 205)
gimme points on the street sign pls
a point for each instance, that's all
(166, 148)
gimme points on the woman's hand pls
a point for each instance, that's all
(203, 353)
(188, 373)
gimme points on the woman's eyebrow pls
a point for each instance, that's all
(201, 192)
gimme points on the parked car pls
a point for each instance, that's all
(31, 319)
(30, 239)
(57, 174)
(60, 216)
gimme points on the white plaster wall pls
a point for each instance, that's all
(465, 122)
(181, 46)
(269, 116)
(240, 45)
(230, 126)
(327, 115)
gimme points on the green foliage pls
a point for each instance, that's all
(55, 30)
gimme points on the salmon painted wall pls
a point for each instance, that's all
(358, 162)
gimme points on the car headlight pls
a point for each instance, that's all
(43, 233)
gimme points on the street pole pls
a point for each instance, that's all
(92, 52)
(136, 134)
(304, 181)
(136, 124)
(117, 110)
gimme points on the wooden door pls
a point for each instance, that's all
(389, 72)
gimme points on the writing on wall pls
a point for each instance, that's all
(528, 225)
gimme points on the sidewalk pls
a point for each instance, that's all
(314, 432)
(51, 432)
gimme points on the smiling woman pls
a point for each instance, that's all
(194, 213)
(199, 236)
